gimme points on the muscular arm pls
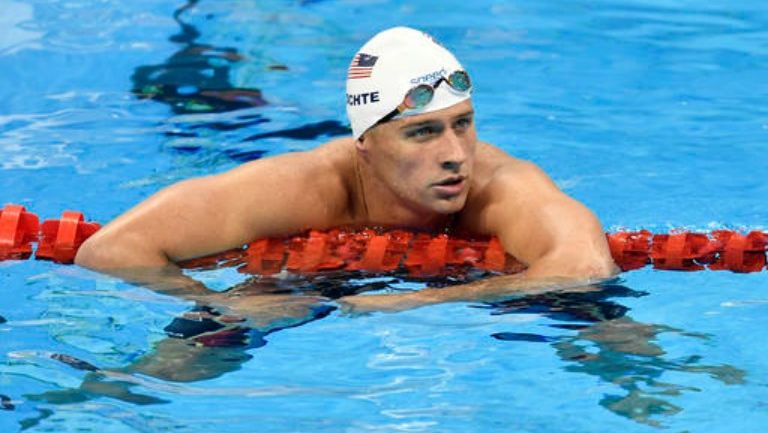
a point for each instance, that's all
(558, 238)
(555, 235)
(202, 216)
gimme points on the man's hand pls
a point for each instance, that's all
(488, 290)
(264, 311)
(361, 304)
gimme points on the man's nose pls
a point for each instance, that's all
(454, 153)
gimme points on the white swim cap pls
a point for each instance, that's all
(388, 66)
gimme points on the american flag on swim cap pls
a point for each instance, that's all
(362, 66)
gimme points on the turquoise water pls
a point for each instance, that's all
(653, 113)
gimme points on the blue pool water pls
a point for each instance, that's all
(653, 113)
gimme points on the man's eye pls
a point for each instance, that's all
(423, 132)
(464, 123)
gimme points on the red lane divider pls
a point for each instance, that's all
(630, 250)
(61, 238)
(58, 240)
(377, 251)
(420, 254)
(425, 255)
(724, 250)
(740, 253)
(18, 229)
(682, 251)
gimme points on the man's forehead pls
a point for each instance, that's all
(460, 109)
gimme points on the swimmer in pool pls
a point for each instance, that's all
(413, 160)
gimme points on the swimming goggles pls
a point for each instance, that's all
(421, 95)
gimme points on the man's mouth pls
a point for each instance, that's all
(450, 186)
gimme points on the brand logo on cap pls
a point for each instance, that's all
(362, 66)
(429, 78)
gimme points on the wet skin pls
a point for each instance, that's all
(426, 171)
(419, 168)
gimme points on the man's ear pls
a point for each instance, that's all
(361, 145)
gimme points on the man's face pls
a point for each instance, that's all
(426, 160)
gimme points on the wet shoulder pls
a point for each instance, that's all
(327, 162)
(318, 178)
(494, 166)
(500, 179)
(328, 173)
(333, 160)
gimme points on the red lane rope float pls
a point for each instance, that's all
(741, 253)
(58, 240)
(370, 251)
(378, 251)
(686, 251)
(61, 238)
(18, 229)
(424, 255)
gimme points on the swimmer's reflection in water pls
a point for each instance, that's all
(207, 342)
(627, 354)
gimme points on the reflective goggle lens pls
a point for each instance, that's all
(421, 95)
(418, 96)
(459, 80)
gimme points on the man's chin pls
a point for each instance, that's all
(449, 205)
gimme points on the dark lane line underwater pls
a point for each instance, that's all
(196, 80)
